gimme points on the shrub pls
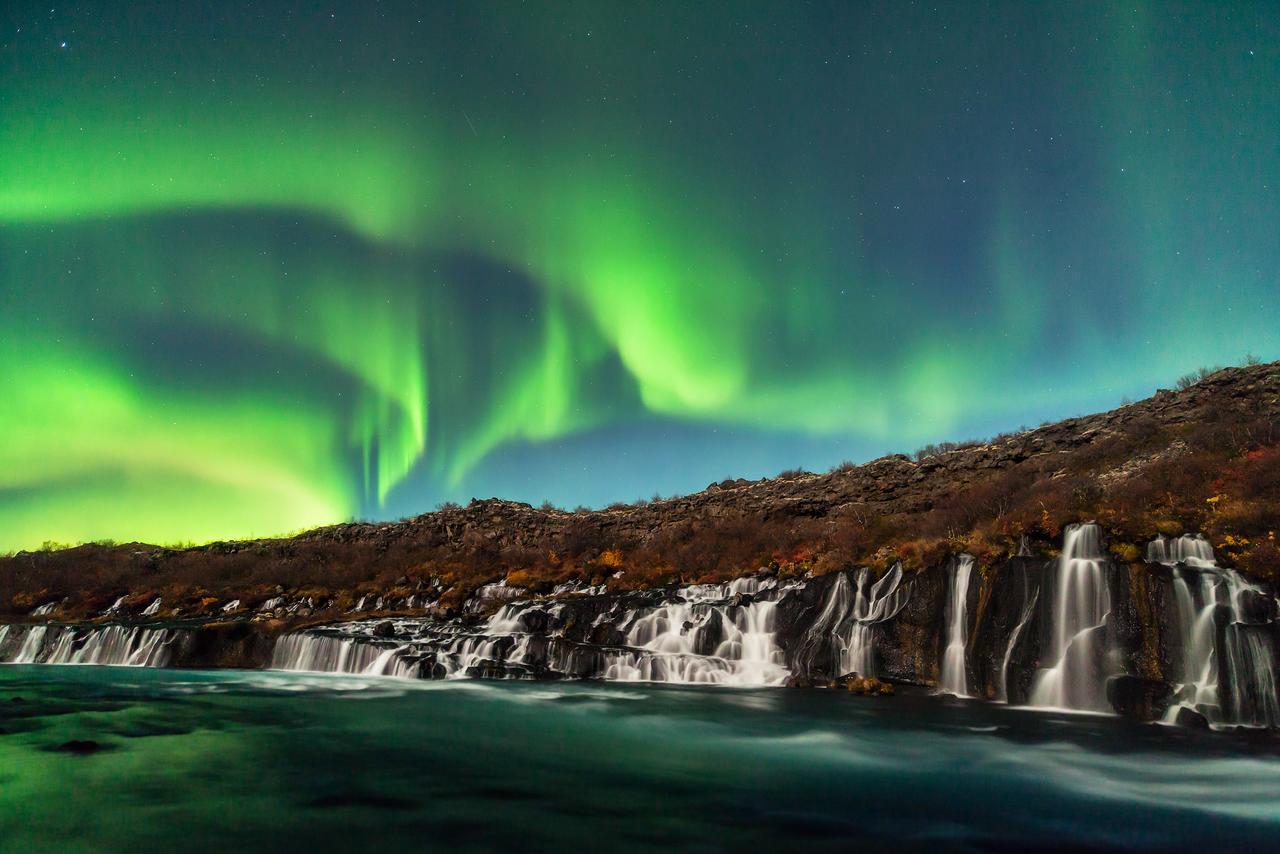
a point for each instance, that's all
(1186, 381)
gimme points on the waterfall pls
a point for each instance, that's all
(667, 644)
(31, 644)
(1027, 611)
(129, 646)
(152, 609)
(1191, 549)
(840, 640)
(1236, 686)
(954, 677)
(707, 633)
(872, 604)
(320, 653)
(1081, 605)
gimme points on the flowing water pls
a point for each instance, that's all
(1028, 611)
(954, 678)
(720, 634)
(1082, 602)
(131, 646)
(238, 761)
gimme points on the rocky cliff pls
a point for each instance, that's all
(1057, 567)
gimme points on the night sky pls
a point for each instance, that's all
(270, 265)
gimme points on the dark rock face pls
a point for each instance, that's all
(848, 628)
(908, 647)
(238, 644)
(1007, 609)
(1138, 698)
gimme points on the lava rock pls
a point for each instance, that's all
(1191, 719)
(1137, 698)
(535, 620)
(866, 685)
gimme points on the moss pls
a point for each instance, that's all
(1148, 656)
(1126, 552)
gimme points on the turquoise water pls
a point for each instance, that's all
(262, 761)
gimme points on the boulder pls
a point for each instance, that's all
(1136, 698)
(867, 685)
(1191, 719)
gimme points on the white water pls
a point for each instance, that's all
(849, 615)
(666, 651)
(872, 604)
(1248, 697)
(1191, 549)
(326, 654)
(1027, 611)
(152, 609)
(954, 677)
(707, 636)
(116, 645)
(1082, 603)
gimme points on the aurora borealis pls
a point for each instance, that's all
(265, 266)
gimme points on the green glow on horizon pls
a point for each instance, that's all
(247, 292)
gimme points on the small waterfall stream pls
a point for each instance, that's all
(1081, 605)
(1027, 611)
(954, 677)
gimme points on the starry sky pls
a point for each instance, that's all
(270, 265)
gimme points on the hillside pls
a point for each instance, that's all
(1206, 458)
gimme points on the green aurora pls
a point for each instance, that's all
(262, 270)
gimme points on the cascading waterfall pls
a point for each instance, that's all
(728, 634)
(1191, 549)
(841, 636)
(872, 603)
(321, 653)
(127, 646)
(708, 634)
(32, 642)
(954, 677)
(668, 642)
(1234, 687)
(1081, 605)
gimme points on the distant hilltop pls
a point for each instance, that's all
(1201, 458)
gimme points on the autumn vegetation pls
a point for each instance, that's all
(1215, 470)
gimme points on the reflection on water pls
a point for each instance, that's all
(261, 761)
